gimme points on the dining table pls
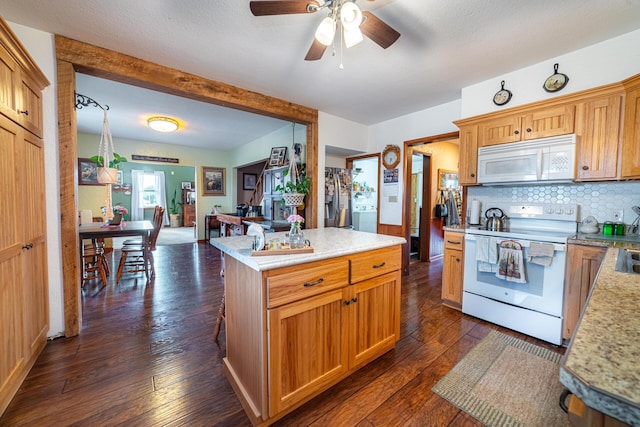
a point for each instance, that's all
(101, 230)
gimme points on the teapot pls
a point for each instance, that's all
(494, 222)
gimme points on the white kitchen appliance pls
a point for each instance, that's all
(535, 307)
(545, 159)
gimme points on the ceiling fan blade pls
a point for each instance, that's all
(378, 31)
(315, 51)
(280, 7)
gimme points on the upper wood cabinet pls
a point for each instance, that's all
(468, 157)
(598, 137)
(21, 84)
(631, 133)
(539, 123)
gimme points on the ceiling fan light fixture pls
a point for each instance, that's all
(350, 15)
(326, 31)
(352, 37)
(162, 124)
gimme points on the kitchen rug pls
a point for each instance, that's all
(505, 381)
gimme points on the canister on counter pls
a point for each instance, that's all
(607, 228)
(618, 228)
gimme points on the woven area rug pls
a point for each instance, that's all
(505, 381)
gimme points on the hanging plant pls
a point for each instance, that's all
(298, 186)
(107, 160)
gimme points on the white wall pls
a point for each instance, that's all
(607, 62)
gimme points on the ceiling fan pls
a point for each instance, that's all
(343, 14)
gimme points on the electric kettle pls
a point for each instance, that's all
(494, 222)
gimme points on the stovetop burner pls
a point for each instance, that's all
(541, 222)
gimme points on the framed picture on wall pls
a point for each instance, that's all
(447, 179)
(87, 172)
(278, 156)
(249, 181)
(186, 185)
(214, 183)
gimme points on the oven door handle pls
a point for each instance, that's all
(558, 247)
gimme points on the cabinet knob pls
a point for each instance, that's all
(528, 129)
(585, 168)
(354, 299)
(25, 112)
(457, 259)
(347, 302)
(516, 132)
(27, 247)
(473, 175)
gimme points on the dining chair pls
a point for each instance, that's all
(94, 263)
(158, 212)
(133, 259)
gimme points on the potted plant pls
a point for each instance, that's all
(108, 174)
(294, 190)
(174, 210)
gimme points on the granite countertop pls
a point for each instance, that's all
(326, 243)
(601, 365)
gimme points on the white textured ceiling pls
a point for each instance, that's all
(445, 45)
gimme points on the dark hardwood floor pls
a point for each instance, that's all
(146, 357)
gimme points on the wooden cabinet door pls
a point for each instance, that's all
(500, 130)
(307, 348)
(631, 142)
(31, 182)
(452, 269)
(9, 78)
(548, 122)
(468, 158)
(583, 263)
(29, 105)
(598, 134)
(452, 278)
(374, 318)
(13, 360)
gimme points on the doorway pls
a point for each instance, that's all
(431, 154)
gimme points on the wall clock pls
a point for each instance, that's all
(502, 96)
(556, 81)
(391, 156)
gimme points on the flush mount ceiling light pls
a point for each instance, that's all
(162, 124)
(344, 17)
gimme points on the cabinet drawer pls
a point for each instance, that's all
(375, 263)
(305, 280)
(453, 240)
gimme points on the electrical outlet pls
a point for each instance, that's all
(618, 215)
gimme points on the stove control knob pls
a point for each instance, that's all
(549, 210)
(569, 211)
(559, 211)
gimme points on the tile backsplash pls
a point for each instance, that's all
(601, 200)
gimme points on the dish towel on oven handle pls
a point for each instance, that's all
(487, 254)
(511, 265)
(541, 253)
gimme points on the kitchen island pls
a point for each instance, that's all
(601, 365)
(298, 324)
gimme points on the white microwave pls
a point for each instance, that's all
(545, 159)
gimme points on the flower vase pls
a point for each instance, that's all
(296, 237)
